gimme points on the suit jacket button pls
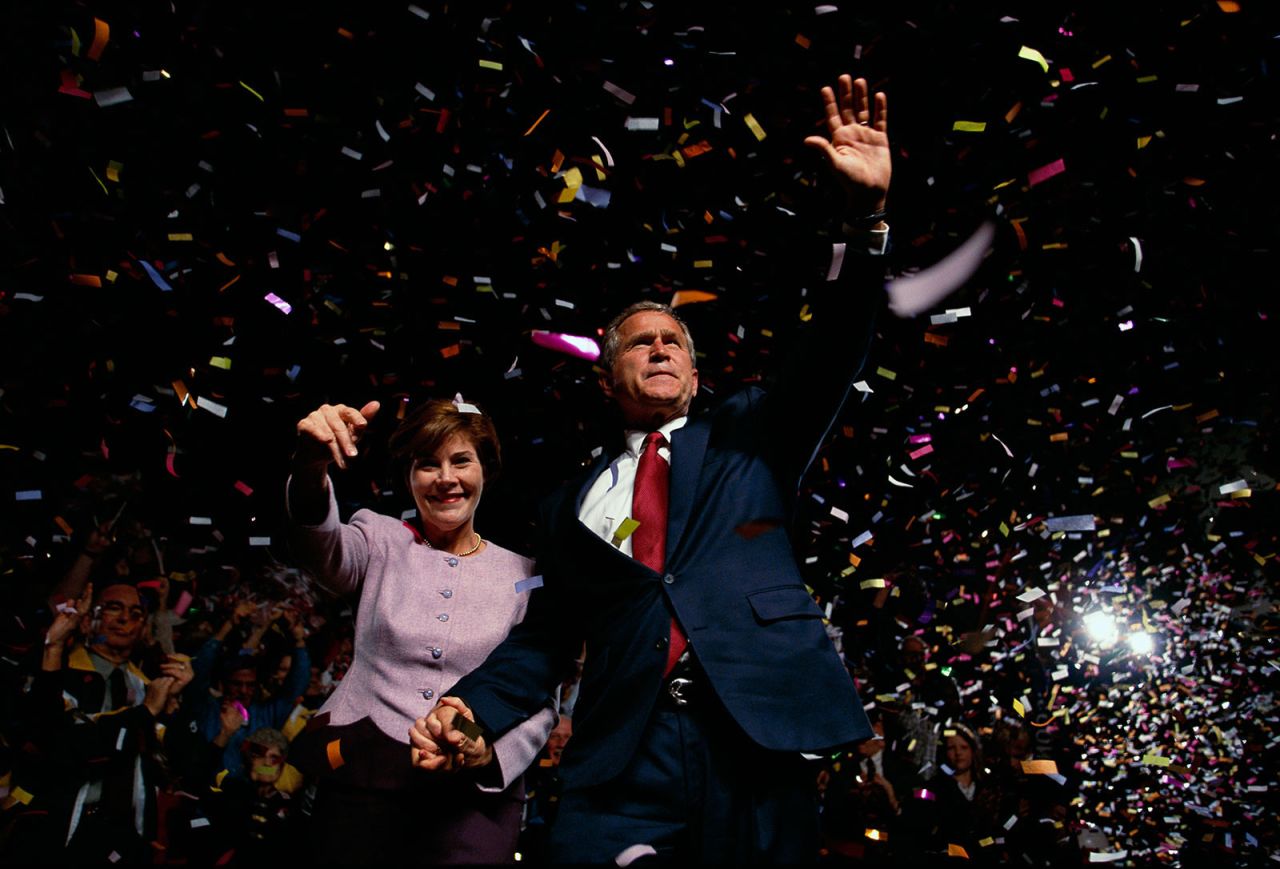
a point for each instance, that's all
(669, 578)
(662, 642)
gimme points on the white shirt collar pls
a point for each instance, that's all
(635, 437)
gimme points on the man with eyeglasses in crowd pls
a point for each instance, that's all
(96, 723)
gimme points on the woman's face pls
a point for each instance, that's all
(447, 485)
(959, 754)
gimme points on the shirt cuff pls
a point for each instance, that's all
(874, 242)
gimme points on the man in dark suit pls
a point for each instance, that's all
(708, 672)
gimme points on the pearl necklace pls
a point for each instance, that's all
(471, 551)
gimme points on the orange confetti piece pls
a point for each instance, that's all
(101, 33)
(954, 850)
(1207, 415)
(334, 751)
(690, 297)
(1040, 767)
(87, 280)
(451, 350)
(62, 523)
(224, 259)
(1021, 233)
(1229, 6)
(802, 40)
(534, 125)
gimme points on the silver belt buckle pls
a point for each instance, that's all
(676, 689)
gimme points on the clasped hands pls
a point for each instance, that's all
(439, 740)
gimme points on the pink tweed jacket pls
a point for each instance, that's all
(425, 618)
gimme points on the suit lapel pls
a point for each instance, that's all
(688, 446)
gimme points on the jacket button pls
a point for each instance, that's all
(669, 578)
(447, 593)
(453, 562)
(437, 652)
(428, 693)
(661, 643)
(444, 617)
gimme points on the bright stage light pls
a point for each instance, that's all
(1101, 626)
(1142, 643)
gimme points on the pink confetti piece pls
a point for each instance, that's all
(1044, 173)
(923, 451)
(573, 345)
(279, 302)
(243, 488)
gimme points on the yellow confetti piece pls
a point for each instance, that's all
(1100, 61)
(886, 373)
(1155, 760)
(1143, 141)
(22, 796)
(625, 529)
(969, 126)
(180, 236)
(1004, 529)
(702, 264)
(871, 583)
(1242, 493)
(223, 362)
(99, 180)
(1029, 53)
(491, 64)
(1159, 500)
(1147, 79)
(756, 129)
(987, 842)
(7, 447)
(113, 171)
(1019, 708)
(252, 91)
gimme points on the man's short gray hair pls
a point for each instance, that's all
(609, 354)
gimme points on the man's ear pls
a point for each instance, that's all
(606, 384)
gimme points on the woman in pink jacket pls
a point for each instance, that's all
(434, 599)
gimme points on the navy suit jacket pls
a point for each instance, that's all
(730, 578)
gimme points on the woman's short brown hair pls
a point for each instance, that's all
(432, 423)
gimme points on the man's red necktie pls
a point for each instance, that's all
(649, 508)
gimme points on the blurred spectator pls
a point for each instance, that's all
(96, 724)
(249, 820)
(238, 683)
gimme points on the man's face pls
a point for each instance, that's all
(653, 377)
(120, 618)
(241, 685)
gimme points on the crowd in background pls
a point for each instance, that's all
(148, 713)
